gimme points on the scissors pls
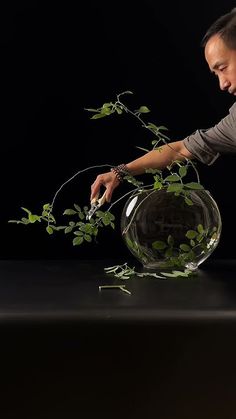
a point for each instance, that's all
(96, 203)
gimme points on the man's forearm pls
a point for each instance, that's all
(159, 158)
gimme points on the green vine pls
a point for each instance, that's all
(84, 230)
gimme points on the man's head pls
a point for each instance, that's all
(219, 44)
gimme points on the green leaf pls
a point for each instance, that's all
(88, 238)
(107, 105)
(193, 185)
(95, 231)
(143, 109)
(77, 240)
(162, 128)
(26, 210)
(188, 201)
(109, 215)
(46, 206)
(51, 218)
(91, 110)
(68, 230)
(69, 211)
(33, 218)
(159, 245)
(172, 178)
(169, 275)
(58, 228)
(105, 221)
(106, 111)
(180, 273)
(153, 127)
(78, 233)
(199, 237)
(119, 110)
(157, 185)
(98, 115)
(87, 228)
(15, 221)
(174, 274)
(200, 228)
(111, 268)
(25, 220)
(185, 247)
(175, 187)
(49, 230)
(77, 207)
(189, 257)
(191, 234)
(182, 171)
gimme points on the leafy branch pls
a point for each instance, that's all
(119, 107)
(86, 230)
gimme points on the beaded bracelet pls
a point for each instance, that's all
(120, 171)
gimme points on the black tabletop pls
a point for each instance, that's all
(68, 350)
(68, 290)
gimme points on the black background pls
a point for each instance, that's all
(58, 58)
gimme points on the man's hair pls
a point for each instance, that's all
(225, 27)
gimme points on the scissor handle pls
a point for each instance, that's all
(102, 200)
(99, 201)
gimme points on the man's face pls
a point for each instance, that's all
(222, 62)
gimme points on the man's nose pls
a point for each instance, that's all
(224, 83)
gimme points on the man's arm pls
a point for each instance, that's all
(159, 158)
(154, 159)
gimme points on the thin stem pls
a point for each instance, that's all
(70, 179)
(120, 287)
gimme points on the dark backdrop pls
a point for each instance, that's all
(58, 58)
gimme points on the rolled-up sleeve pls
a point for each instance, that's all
(207, 145)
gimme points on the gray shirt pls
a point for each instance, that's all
(207, 144)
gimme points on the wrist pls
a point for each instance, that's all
(120, 171)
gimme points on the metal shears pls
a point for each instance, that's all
(96, 203)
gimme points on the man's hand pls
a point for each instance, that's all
(109, 181)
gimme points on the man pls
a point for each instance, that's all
(219, 45)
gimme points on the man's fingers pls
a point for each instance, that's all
(95, 190)
(109, 181)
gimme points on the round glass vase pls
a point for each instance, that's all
(165, 231)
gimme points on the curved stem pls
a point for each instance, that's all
(70, 179)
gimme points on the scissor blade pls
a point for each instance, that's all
(95, 205)
(92, 210)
